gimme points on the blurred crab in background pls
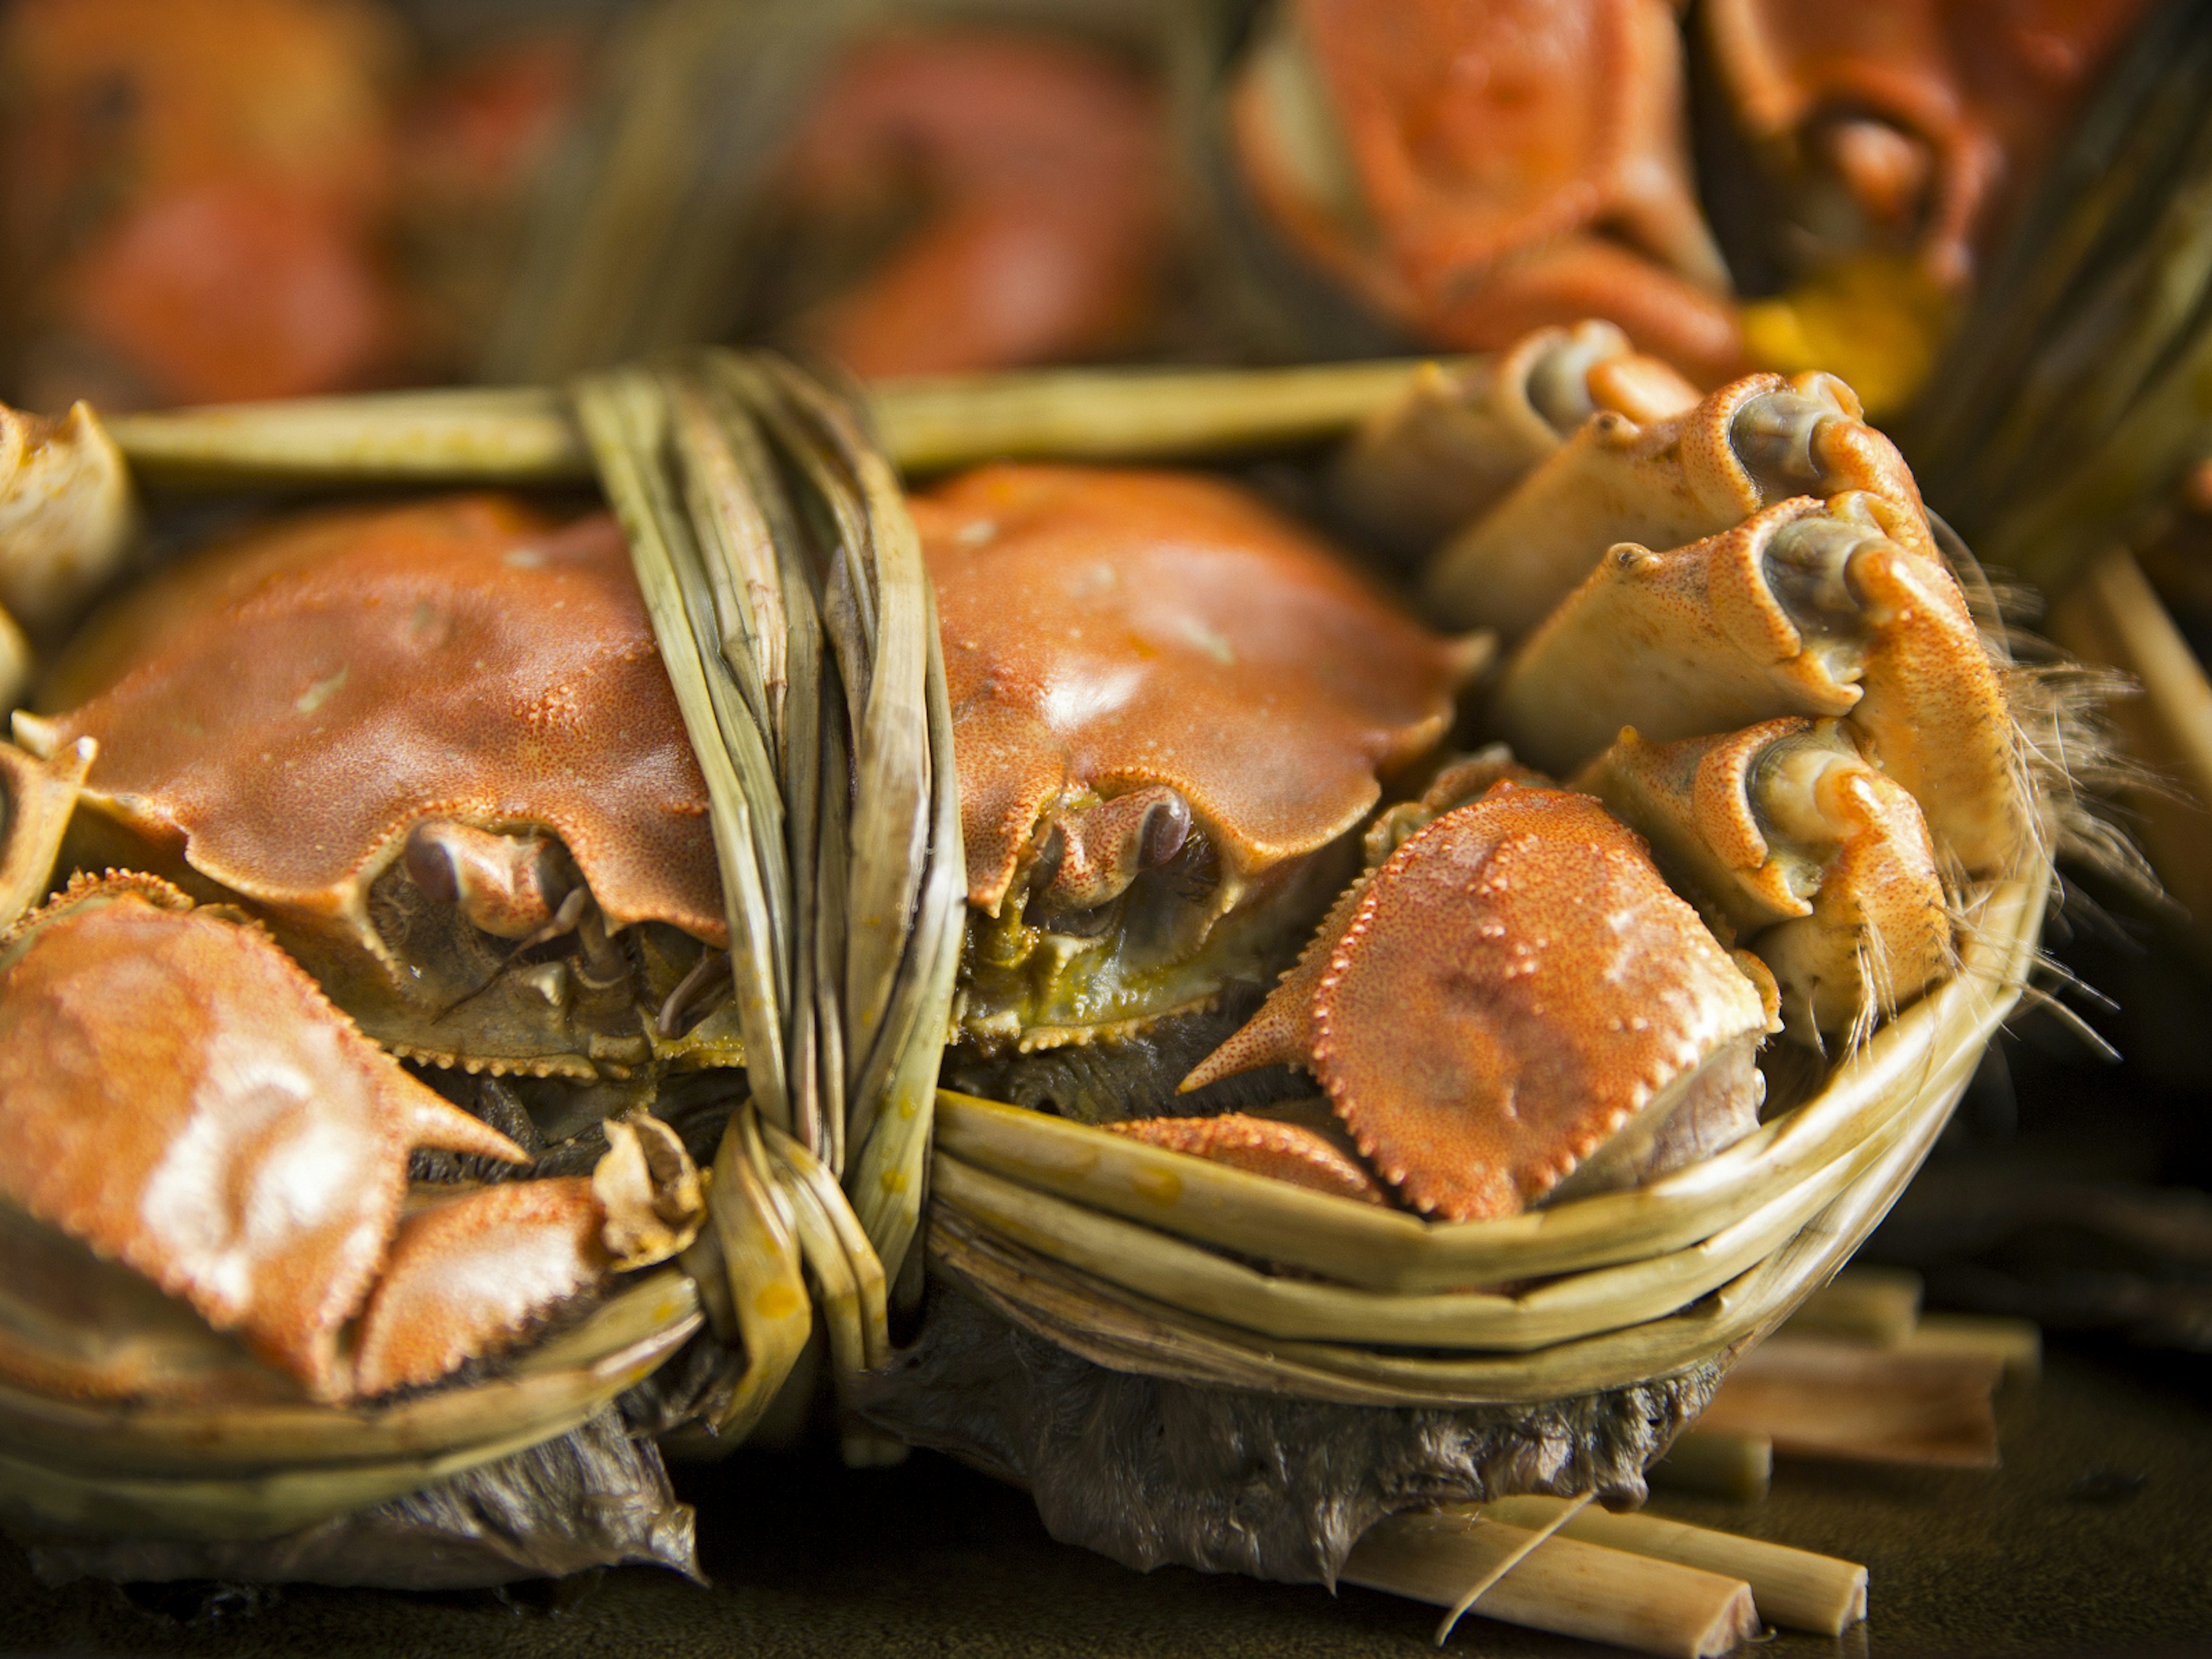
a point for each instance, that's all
(218, 200)
(1472, 169)
(970, 199)
(1898, 139)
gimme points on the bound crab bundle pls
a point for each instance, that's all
(1447, 1150)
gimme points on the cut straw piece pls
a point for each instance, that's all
(1792, 1586)
(1880, 1306)
(1563, 1586)
(2016, 1343)
(1819, 1398)
(1737, 1467)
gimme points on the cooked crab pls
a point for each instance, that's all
(433, 749)
(1471, 171)
(1511, 1004)
(1170, 708)
(1792, 846)
(204, 1177)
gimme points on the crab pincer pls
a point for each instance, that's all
(180, 1103)
(1514, 1004)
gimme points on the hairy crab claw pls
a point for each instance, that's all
(1170, 708)
(1806, 608)
(1902, 122)
(1471, 172)
(1455, 441)
(1794, 848)
(1695, 472)
(432, 748)
(1513, 1005)
(203, 1176)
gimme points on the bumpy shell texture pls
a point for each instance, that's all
(291, 705)
(1111, 630)
(1516, 983)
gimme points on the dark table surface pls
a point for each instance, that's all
(2094, 1538)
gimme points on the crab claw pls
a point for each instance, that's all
(1455, 441)
(1805, 609)
(471, 1276)
(1755, 441)
(177, 1094)
(1283, 1152)
(1790, 844)
(1515, 998)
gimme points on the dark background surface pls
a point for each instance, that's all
(2094, 1538)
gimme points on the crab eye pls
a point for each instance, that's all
(1167, 828)
(510, 886)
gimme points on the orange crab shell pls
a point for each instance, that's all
(176, 1093)
(288, 708)
(1110, 629)
(1515, 984)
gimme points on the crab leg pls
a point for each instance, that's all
(177, 1094)
(1790, 844)
(1805, 609)
(1663, 482)
(1456, 440)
